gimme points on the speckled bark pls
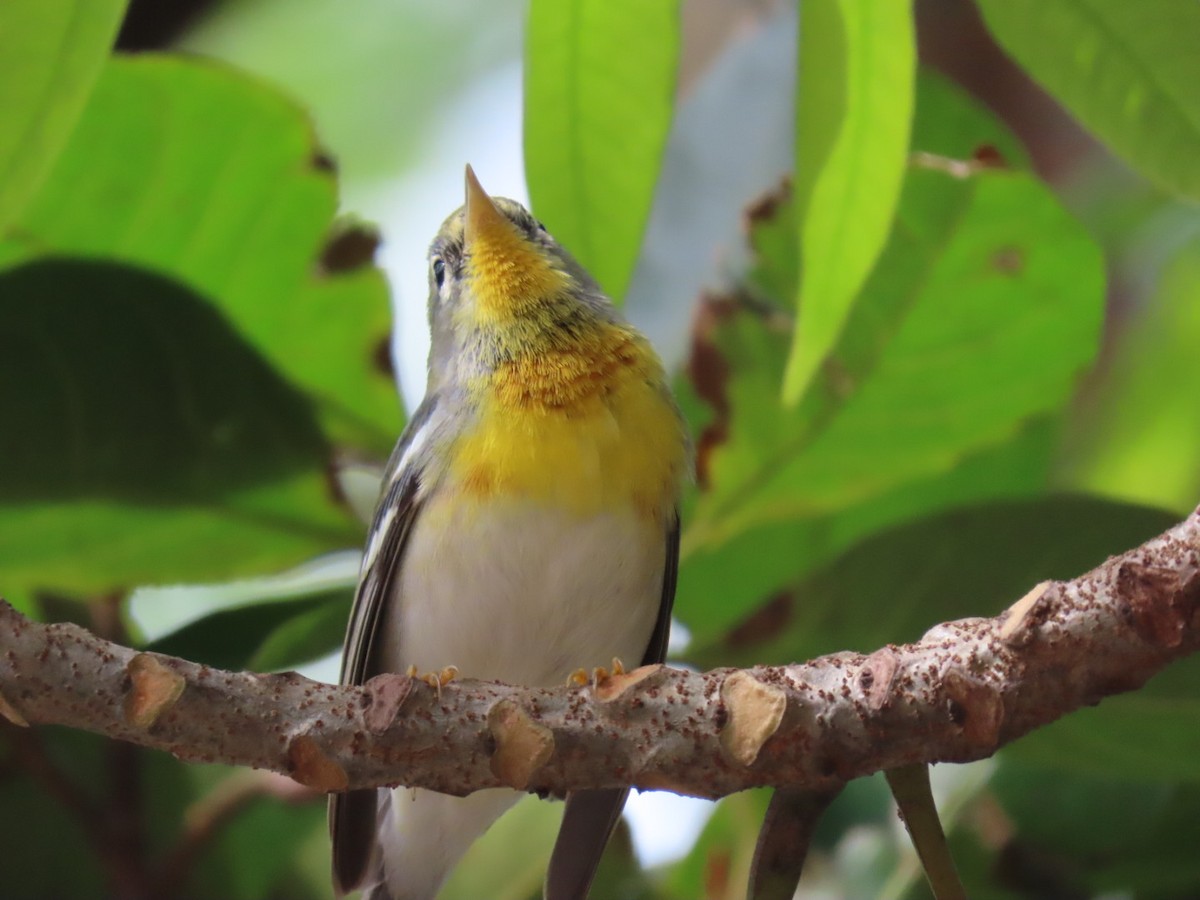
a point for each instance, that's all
(958, 694)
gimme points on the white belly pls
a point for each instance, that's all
(520, 594)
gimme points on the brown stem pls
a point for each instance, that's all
(914, 797)
(787, 830)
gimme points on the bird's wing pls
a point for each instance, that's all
(590, 816)
(656, 650)
(353, 815)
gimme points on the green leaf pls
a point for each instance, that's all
(144, 440)
(252, 855)
(1149, 735)
(745, 578)
(972, 323)
(33, 866)
(52, 55)
(1127, 71)
(123, 384)
(1160, 860)
(619, 874)
(509, 861)
(731, 568)
(272, 635)
(207, 176)
(893, 586)
(308, 635)
(852, 150)
(599, 91)
(1138, 435)
(718, 863)
(949, 305)
(1065, 821)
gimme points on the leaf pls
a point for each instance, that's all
(738, 358)
(1138, 435)
(262, 637)
(1161, 858)
(144, 440)
(306, 636)
(1149, 735)
(1149, 847)
(509, 861)
(726, 577)
(599, 91)
(211, 178)
(52, 55)
(852, 150)
(253, 855)
(969, 326)
(1127, 71)
(719, 862)
(893, 586)
(145, 392)
(747, 581)
(33, 866)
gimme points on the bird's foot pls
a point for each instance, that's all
(581, 678)
(436, 680)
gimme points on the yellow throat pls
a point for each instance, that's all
(577, 413)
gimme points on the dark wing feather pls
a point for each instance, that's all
(590, 816)
(656, 650)
(353, 815)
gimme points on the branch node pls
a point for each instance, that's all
(877, 676)
(384, 695)
(615, 686)
(975, 708)
(522, 745)
(755, 712)
(1025, 614)
(1143, 589)
(153, 689)
(309, 765)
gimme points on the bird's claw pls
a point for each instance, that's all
(436, 680)
(581, 678)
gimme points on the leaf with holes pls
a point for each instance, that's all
(210, 177)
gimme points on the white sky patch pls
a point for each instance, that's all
(484, 129)
(665, 825)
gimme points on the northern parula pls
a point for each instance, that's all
(527, 527)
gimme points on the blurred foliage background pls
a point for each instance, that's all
(929, 274)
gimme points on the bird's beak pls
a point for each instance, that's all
(509, 272)
(484, 222)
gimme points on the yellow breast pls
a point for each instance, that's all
(585, 427)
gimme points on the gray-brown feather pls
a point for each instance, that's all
(353, 815)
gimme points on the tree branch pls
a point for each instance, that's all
(962, 691)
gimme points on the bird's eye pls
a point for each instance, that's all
(439, 270)
(542, 228)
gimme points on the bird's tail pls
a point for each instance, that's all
(423, 834)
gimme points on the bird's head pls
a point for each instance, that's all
(501, 286)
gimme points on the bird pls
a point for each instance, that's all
(527, 528)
